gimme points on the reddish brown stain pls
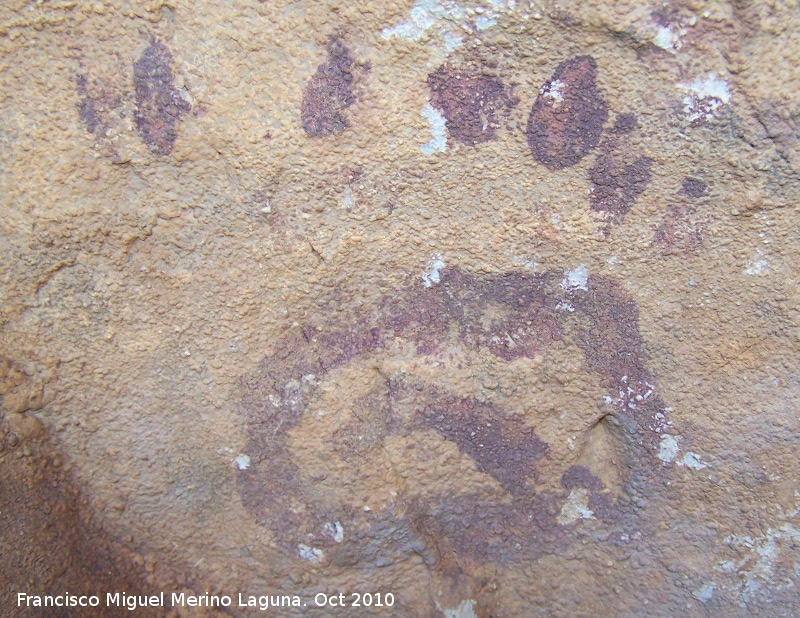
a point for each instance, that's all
(624, 123)
(159, 105)
(524, 320)
(479, 528)
(580, 476)
(90, 108)
(616, 185)
(606, 323)
(599, 501)
(501, 446)
(329, 93)
(567, 118)
(694, 187)
(50, 538)
(510, 315)
(99, 109)
(608, 331)
(681, 229)
(618, 176)
(470, 100)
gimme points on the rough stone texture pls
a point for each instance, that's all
(159, 106)
(512, 316)
(568, 116)
(618, 176)
(470, 101)
(494, 359)
(329, 93)
(681, 229)
(48, 540)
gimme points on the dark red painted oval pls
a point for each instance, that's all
(159, 105)
(568, 116)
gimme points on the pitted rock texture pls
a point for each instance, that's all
(329, 93)
(336, 330)
(682, 227)
(94, 106)
(503, 517)
(618, 175)
(159, 105)
(47, 538)
(472, 101)
(567, 118)
(694, 187)
(616, 186)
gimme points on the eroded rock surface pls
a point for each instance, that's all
(618, 176)
(159, 105)
(472, 101)
(329, 93)
(567, 118)
(504, 516)
(508, 328)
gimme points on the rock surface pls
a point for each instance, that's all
(568, 116)
(491, 307)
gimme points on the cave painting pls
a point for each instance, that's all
(392, 400)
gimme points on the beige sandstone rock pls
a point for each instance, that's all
(489, 306)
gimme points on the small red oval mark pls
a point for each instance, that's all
(159, 105)
(568, 116)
